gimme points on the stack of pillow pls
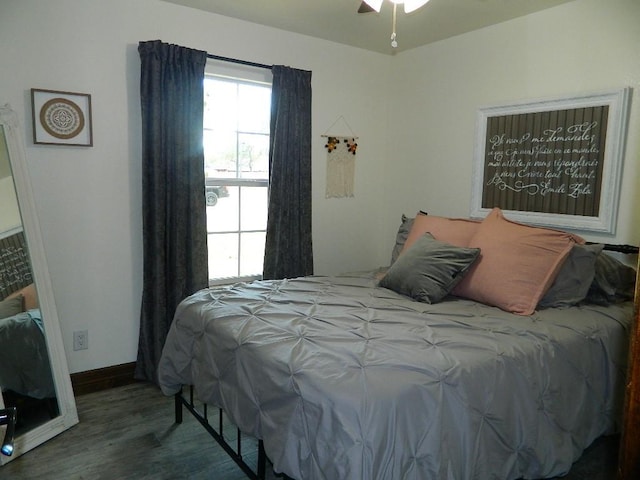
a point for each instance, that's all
(502, 263)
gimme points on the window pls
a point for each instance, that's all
(236, 152)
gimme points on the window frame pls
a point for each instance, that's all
(238, 74)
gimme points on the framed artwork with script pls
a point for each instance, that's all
(61, 118)
(554, 162)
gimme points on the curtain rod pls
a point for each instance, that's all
(241, 62)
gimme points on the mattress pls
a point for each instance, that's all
(343, 379)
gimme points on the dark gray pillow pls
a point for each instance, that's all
(429, 269)
(11, 306)
(401, 237)
(613, 281)
(574, 278)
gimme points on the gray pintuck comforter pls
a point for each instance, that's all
(346, 380)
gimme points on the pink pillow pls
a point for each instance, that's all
(517, 264)
(30, 296)
(454, 231)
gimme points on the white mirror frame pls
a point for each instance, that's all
(618, 102)
(64, 391)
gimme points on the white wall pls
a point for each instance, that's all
(89, 199)
(579, 47)
(414, 114)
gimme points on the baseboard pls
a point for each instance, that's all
(102, 378)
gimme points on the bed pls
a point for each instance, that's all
(424, 370)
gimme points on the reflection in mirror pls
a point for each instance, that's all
(34, 380)
(25, 373)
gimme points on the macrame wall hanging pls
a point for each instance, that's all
(341, 162)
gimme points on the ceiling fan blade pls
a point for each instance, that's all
(365, 8)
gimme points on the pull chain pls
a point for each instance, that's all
(394, 43)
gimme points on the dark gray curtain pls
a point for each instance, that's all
(173, 200)
(288, 249)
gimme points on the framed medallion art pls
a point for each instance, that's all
(61, 118)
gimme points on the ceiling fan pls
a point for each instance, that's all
(375, 5)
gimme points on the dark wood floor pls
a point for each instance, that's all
(128, 433)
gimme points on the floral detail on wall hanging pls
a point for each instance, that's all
(332, 144)
(352, 146)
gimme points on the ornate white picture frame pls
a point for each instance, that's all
(61, 118)
(552, 162)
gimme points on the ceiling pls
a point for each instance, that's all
(338, 20)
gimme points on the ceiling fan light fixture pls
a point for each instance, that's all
(375, 4)
(409, 5)
(412, 5)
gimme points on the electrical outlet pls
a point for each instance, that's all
(80, 340)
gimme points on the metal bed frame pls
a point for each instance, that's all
(628, 249)
(235, 453)
(217, 432)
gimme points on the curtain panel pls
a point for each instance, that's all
(173, 183)
(288, 248)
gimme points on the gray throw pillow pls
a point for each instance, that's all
(401, 237)
(429, 269)
(11, 306)
(613, 282)
(574, 278)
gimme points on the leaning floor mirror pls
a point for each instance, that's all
(36, 400)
